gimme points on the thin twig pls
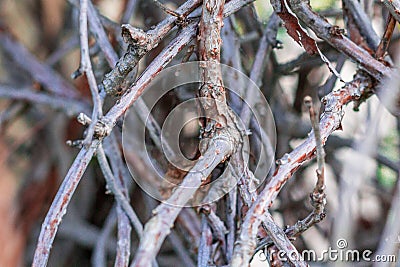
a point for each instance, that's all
(205, 246)
(281, 240)
(317, 197)
(319, 188)
(124, 239)
(231, 219)
(86, 67)
(96, 27)
(166, 9)
(114, 188)
(60, 203)
(216, 224)
(124, 227)
(387, 35)
(99, 257)
(304, 61)
(267, 42)
(330, 84)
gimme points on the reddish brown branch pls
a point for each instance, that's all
(330, 121)
(387, 35)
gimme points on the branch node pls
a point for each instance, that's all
(102, 129)
(76, 74)
(84, 119)
(74, 143)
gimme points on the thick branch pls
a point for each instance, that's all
(60, 203)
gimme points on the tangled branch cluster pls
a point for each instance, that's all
(231, 230)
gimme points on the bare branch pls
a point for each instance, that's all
(60, 203)
(114, 188)
(124, 228)
(124, 239)
(86, 67)
(205, 246)
(158, 227)
(384, 43)
(58, 208)
(330, 121)
(231, 222)
(333, 35)
(140, 43)
(394, 8)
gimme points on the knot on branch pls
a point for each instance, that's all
(336, 31)
(363, 89)
(318, 198)
(181, 21)
(102, 128)
(358, 90)
(136, 37)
